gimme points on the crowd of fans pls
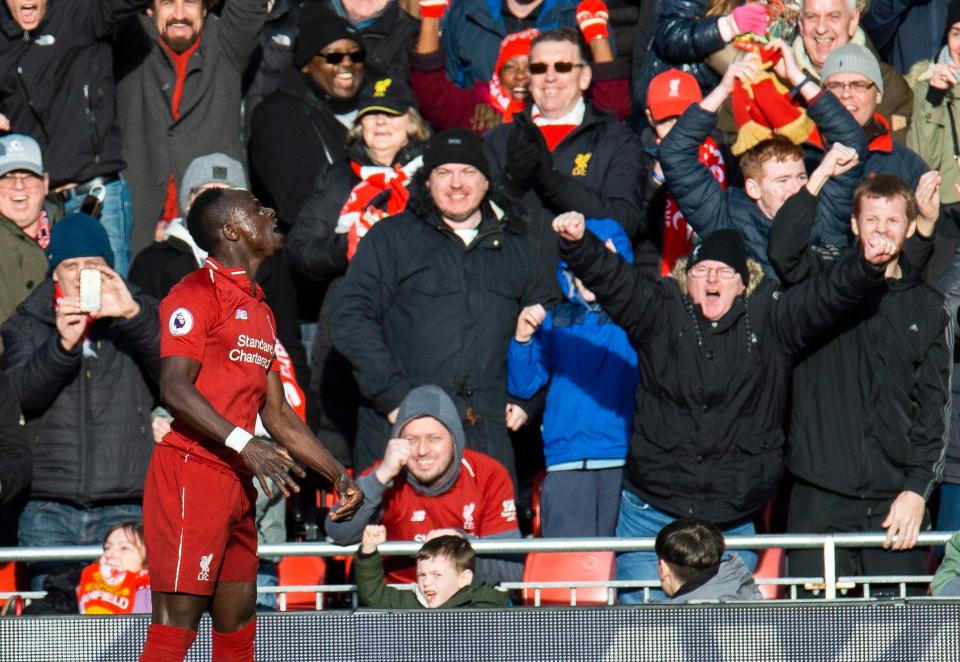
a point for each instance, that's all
(692, 258)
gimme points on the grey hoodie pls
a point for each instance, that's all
(732, 583)
(427, 400)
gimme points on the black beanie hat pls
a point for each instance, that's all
(723, 246)
(319, 26)
(456, 146)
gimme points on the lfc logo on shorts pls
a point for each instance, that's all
(204, 574)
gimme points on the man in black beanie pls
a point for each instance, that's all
(432, 297)
(300, 129)
(85, 380)
(716, 346)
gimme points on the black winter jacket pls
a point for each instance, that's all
(88, 417)
(16, 468)
(871, 402)
(56, 84)
(295, 137)
(418, 307)
(600, 162)
(708, 435)
(685, 36)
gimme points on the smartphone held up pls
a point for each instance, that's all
(91, 283)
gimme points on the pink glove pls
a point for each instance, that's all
(592, 17)
(432, 8)
(750, 18)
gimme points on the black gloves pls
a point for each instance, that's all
(529, 162)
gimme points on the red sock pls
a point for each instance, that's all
(235, 646)
(166, 643)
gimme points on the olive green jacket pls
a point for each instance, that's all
(22, 268)
(368, 569)
(930, 134)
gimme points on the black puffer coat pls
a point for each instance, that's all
(708, 435)
(88, 416)
(685, 36)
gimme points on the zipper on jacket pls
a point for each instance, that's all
(92, 121)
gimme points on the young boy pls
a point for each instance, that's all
(592, 371)
(444, 576)
(118, 582)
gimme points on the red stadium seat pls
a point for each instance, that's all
(771, 565)
(12, 579)
(301, 571)
(568, 566)
(535, 496)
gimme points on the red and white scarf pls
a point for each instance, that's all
(678, 237)
(359, 213)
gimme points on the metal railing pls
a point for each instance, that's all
(830, 582)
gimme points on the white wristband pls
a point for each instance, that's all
(238, 439)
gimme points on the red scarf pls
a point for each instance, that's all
(677, 235)
(359, 213)
(104, 589)
(288, 376)
(171, 203)
(43, 230)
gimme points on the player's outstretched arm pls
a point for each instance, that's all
(266, 461)
(283, 424)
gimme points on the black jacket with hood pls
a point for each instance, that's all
(871, 402)
(87, 409)
(708, 435)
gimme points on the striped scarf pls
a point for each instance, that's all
(381, 192)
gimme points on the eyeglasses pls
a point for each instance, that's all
(702, 271)
(540, 68)
(857, 86)
(26, 179)
(336, 57)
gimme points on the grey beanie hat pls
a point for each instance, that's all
(432, 401)
(207, 169)
(853, 58)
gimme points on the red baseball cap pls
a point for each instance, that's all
(670, 93)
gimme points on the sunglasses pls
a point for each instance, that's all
(540, 68)
(336, 57)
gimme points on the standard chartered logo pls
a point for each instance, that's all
(261, 356)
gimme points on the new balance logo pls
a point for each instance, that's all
(913, 327)
(418, 516)
(204, 574)
(241, 314)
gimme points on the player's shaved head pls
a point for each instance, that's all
(211, 211)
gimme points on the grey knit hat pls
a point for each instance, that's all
(853, 58)
(208, 169)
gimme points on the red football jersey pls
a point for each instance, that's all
(211, 317)
(481, 502)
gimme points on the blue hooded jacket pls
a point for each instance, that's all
(591, 368)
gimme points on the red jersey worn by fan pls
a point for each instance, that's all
(480, 502)
(199, 499)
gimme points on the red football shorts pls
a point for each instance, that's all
(199, 525)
